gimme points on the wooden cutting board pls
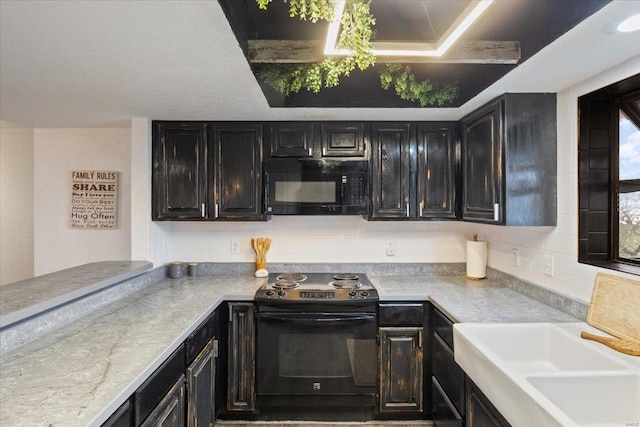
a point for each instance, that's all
(615, 306)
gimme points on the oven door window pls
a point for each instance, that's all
(324, 192)
(316, 353)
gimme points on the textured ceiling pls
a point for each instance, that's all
(100, 63)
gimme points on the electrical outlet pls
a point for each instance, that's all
(549, 268)
(391, 248)
(234, 246)
(515, 257)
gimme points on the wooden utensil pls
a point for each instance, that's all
(623, 346)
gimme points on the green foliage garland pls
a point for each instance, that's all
(356, 35)
(407, 87)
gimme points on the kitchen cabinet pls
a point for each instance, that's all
(480, 411)
(241, 389)
(207, 171)
(316, 139)
(201, 381)
(122, 417)
(401, 358)
(170, 411)
(437, 163)
(414, 168)
(180, 182)
(201, 353)
(164, 388)
(342, 139)
(509, 161)
(291, 139)
(390, 171)
(448, 379)
(238, 166)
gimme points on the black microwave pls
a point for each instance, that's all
(316, 187)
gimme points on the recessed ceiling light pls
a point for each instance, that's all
(632, 23)
(462, 23)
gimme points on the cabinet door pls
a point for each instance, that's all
(201, 380)
(170, 410)
(238, 164)
(341, 139)
(401, 370)
(391, 174)
(482, 170)
(291, 139)
(436, 153)
(180, 173)
(480, 411)
(241, 358)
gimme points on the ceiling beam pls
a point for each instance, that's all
(309, 51)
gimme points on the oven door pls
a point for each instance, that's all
(320, 354)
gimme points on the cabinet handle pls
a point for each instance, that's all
(407, 210)
(421, 205)
(216, 211)
(215, 348)
(420, 338)
(202, 210)
(310, 152)
(496, 211)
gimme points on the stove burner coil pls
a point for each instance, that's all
(285, 284)
(291, 277)
(345, 276)
(346, 284)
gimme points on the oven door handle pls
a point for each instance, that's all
(315, 318)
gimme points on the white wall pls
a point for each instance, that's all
(57, 152)
(351, 239)
(561, 242)
(16, 202)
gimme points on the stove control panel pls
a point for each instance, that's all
(317, 294)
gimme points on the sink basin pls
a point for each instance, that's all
(539, 374)
(594, 400)
(540, 348)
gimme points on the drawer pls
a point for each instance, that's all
(449, 375)
(443, 327)
(200, 337)
(149, 394)
(402, 314)
(444, 414)
(120, 418)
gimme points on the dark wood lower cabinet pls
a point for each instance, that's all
(443, 411)
(170, 411)
(241, 389)
(201, 380)
(480, 411)
(401, 369)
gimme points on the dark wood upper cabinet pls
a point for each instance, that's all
(413, 171)
(180, 183)
(340, 139)
(291, 139)
(238, 165)
(509, 161)
(390, 171)
(436, 171)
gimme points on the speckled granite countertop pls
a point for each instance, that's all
(19, 300)
(79, 374)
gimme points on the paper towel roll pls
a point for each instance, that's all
(476, 260)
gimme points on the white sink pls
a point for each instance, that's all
(539, 374)
(597, 399)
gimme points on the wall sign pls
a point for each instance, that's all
(94, 199)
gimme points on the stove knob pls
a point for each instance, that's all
(281, 293)
(269, 293)
(352, 294)
(364, 294)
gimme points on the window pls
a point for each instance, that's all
(609, 177)
(628, 232)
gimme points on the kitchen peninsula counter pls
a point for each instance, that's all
(81, 373)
